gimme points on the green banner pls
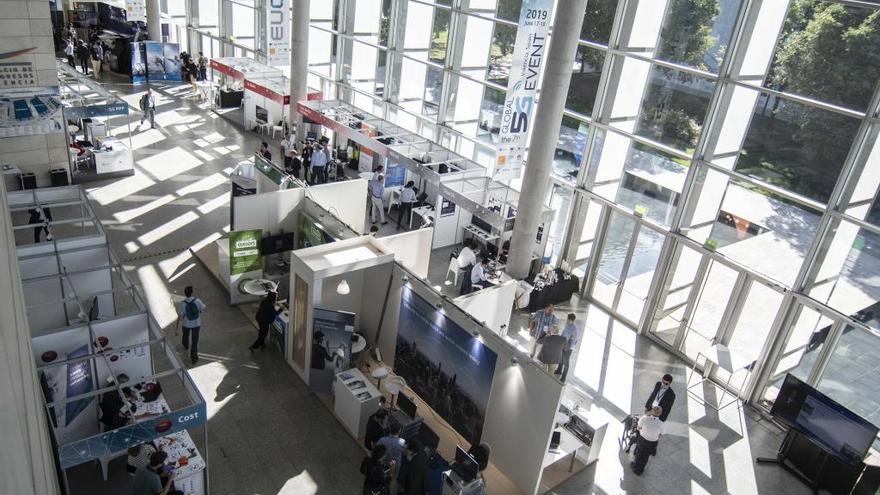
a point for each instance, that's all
(244, 251)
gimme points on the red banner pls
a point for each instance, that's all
(229, 71)
(264, 91)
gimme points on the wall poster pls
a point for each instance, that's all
(244, 251)
(300, 307)
(277, 35)
(444, 364)
(30, 111)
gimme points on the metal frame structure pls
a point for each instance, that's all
(753, 22)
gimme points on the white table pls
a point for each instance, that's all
(259, 286)
(569, 445)
(118, 159)
(189, 477)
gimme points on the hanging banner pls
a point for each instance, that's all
(277, 34)
(138, 63)
(244, 251)
(522, 86)
(171, 54)
(103, 110)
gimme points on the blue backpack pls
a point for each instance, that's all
(192, 310)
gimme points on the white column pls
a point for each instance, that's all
(299, 62)
(154, 21)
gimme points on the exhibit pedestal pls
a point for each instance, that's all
(454, 485)
(356, 400)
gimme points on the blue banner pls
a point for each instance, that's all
(445, 365)
(138, 63)
(72, 113)
(155, 60)
(171, 54)
(120, 439)
(395, 175)
(79, 381)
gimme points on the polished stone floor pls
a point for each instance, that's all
(268, 435)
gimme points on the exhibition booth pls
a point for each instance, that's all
(92, 115)
(230, 73)
(365, 323)
(110, 379)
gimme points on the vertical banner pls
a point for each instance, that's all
(138, 63)
(277, 33)
(244, 251)
(522, 85)
(171, 54)
(155, 60)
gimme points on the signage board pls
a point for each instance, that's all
(106, 110)
(277, 33)
(244, 251)
(529, 51)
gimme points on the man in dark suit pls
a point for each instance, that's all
(662, 396)
(417, 473)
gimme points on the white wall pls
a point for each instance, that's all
(446, 229)
(271, 211)
(122, 332)
(347, 200)
(411, 249)
(519, 420)
(492, 305)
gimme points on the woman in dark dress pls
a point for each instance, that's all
(266, 314)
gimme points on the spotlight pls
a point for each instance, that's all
(475, 333)
(405, 278)
(439, 305)
(514, 360)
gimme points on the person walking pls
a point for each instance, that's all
(82, 52)
(377, 473)
(97, 54)
(572, 335)
(266, 314)
(203, 67)
(407, 199)
(377, 192)
(319, 162)
(662, 396)
(649, 429)
(70, 50)
(189, 313)
(539, 324)
(552, 345)
(148, 106)
(40, 217)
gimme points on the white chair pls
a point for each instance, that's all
(453, 267)
(394, 199)
(277, 128)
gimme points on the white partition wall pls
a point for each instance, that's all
(492, 306)
(271, 211)
(123, 333)
(347, 200)
(411, 249)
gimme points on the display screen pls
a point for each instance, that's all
(79, 381)
(395, 175)
(311, 233)
(262, 114)
(450, 369)
(836, 429)
(481, 224)
(406, 405)
(276, 244)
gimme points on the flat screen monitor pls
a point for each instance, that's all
(406, 405)
(834, 428)
(481, 224)
(428, 437)
(262, 114)
(274, 244)
(465, 465)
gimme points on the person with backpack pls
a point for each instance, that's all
(190, 319)
(148, 105)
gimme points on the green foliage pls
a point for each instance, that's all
(687, 31)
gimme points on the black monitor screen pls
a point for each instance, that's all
(481, 224)
(406, 405)
(467, 466)
(276, 244)
(262, 114)
(428, 437)
(834, 428)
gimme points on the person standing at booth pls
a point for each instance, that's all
(662, 396)
(203, 67)
(82, 52)
(407, 199)
(69, 50)
(148, 105)
(572, 335)
(285, 150)
(264, 151)
(394, 446)
(552, 345)
(377, 193)
(190, 319)
(377, 473)
(295, 162)
(266, 314)
(650, 427)
(540, 323)
(319, 163)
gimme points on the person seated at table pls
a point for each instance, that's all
(148, 480)
(479, 276)
(466, 258)
(139, 456)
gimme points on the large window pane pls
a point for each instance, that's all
(797, 147)
(585, 80)
(598, 20)
(852, 376)
(641, 271)
(570, 148)
(828, 52)
(610, 270)
(696, 32)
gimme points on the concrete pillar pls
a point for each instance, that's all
(545, 130)
(299, 62)
(154, 20)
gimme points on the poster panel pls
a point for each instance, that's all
(155, 60)
(300, 306)
(522, 86)
(310, 233)
(79, 381)
(277, 35)
(106, 110)
(30, 111)
(120, 439)
(331, 347)
(445, 365)
(138, 63)
(171, 56)
(244, 251)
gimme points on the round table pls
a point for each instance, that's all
(258, 286)
(379, 374)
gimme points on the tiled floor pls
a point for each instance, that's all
(268, 435)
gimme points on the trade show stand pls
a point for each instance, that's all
(355, 400)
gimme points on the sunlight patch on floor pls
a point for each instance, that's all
(119, 189)
(209, 380)
(700, 454)
(158, 297)
(215, 203)
(301, 484)
(169, 163)
(204, 184)
(128, 215)
(167, 228)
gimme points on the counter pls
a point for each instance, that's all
(185, 460)
(117, 159)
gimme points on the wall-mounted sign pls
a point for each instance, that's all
(244, 251)
(522, 86)
(76, 113)
(30, 111)
(17, 74)
(277, 34)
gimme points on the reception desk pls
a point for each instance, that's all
(113, 156)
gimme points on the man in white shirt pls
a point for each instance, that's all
(377, 193)
(478, 274)
(319, 162)
(407, 199)
(650, 427)
(466, 257)
(285, 150)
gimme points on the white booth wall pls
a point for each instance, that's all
(411, 249)
(272, 211)
(346, 199)
(492, 305)
(276, 110)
